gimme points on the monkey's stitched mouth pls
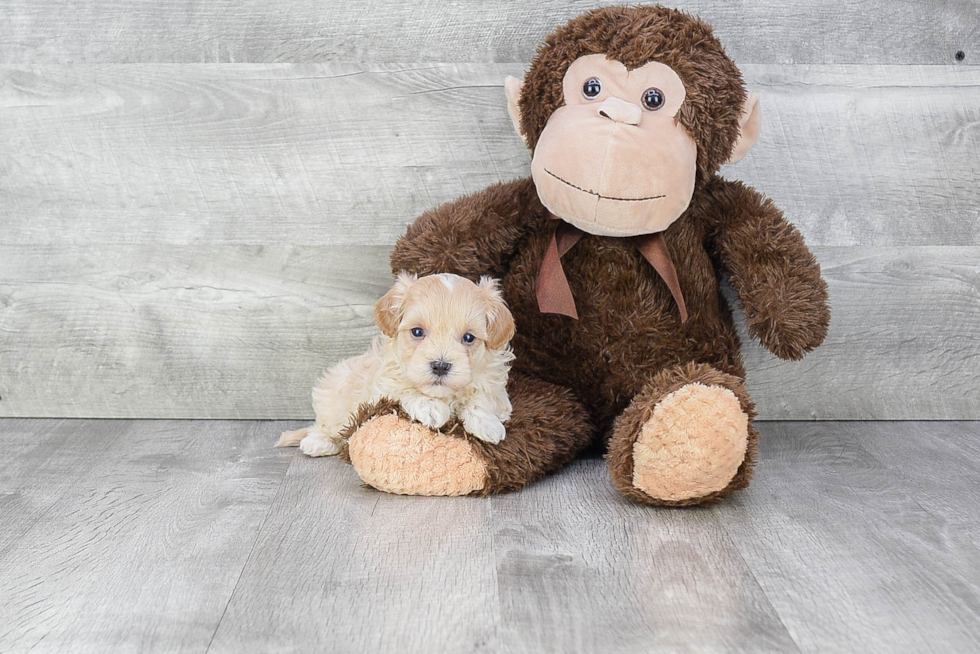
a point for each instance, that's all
(603, 197)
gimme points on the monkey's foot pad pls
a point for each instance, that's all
(692, 445)
(397, 455)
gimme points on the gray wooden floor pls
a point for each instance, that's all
(199, 536)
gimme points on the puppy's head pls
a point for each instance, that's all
(445, 328)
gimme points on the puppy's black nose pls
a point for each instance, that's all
(441, 367)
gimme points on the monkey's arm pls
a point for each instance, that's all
(472, 236)
(776, 276)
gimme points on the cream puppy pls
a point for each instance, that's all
(444, 351)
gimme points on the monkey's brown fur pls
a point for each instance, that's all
(629, 348)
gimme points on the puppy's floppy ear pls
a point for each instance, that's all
(500, 321)
(388, 310)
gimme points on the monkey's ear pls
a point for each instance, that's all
(500, 321)
(388, 310)
(749, 126)
(512, 87)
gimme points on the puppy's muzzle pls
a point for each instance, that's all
(440, 368)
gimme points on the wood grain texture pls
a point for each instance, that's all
(902, 344)
(42, 461)
(581, 569)
(243, 331)
(200, 240)
(338, 154)
(211, 331)
(828, 524)
(769, 31)
(938, 469)
(342, 568)
(199, 536)
(142, 550)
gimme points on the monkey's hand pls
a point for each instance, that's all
(776, 276)
(788, 313)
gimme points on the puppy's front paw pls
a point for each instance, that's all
(484, 425)
(318, 444)
(430, 412)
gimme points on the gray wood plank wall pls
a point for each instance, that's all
(237, 31)
(185, 239)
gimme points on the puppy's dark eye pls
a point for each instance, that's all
(592, 88)
(653, 99)
(418, 332)
(468, 337)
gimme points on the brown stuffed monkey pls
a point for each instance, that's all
(611, 257)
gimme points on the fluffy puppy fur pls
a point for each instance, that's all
(444, 352)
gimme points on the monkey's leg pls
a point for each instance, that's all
(686, 439)
(547, 428)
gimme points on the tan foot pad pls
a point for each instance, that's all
(403, 457)
(692, 445)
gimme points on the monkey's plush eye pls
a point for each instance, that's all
(468, 338)
(418, 332)
(592, 88)
(653, 99)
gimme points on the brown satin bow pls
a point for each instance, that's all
(554, 295)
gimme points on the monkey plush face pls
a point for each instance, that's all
(618, 140)
(613, 160)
